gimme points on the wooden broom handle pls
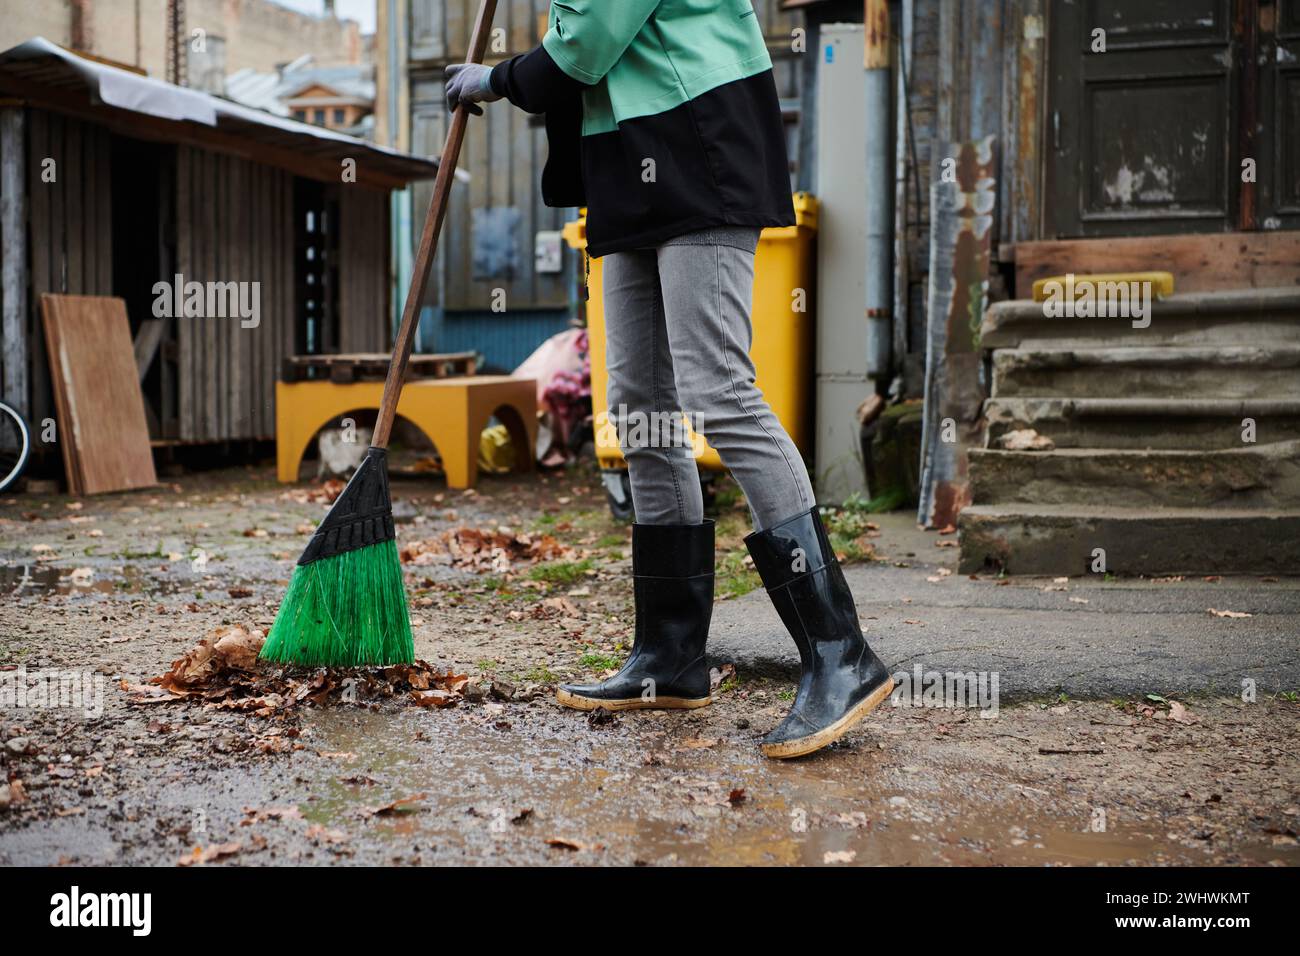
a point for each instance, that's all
(429, 238)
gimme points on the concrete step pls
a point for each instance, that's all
(1229, 317)
(1236, 371)
(1163, 423)
(1258, 477)
(1062, 540)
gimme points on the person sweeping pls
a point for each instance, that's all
(662, 118)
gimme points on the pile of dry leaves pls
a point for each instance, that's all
(324, 493)
(222, 671)
(496, 551)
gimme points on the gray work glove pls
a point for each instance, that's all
(469, 83)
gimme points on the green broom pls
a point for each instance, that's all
(346, 604)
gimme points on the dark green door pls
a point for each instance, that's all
(1154, 104)
(1279, 126)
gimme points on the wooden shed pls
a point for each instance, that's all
(112, 182)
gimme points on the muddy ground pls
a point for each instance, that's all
(120, 586)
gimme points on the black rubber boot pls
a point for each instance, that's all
(672, 580)
(842, 679)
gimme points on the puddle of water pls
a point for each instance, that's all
(27, 580)
(597, 789)
(601, 794)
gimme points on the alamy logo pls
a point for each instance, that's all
(977, 690)
(1085, 298)
(632, 428)
(74, 908)
(209, 300)
(52, 688)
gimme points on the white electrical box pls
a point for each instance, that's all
(842, 381)
(548, 251)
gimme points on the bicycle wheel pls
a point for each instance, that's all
(15, 446)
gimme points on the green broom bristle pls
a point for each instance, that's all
(348, 610)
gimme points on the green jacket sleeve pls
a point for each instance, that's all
(588, 36)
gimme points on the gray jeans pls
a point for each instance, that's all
(678, 334)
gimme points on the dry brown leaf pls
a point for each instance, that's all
(404, 805)
(318, 833)
(719, 676)
(15, 793)
(496, 551)
(261, 814)
(225, 649)
(1217, 613)
(433, 698)
(217, 851)
(146, 693)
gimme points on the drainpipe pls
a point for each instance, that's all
(399, 217)
(902, 277)
(879, 183)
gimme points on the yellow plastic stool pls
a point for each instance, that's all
(452, 411)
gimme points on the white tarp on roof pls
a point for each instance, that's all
(122, 88)
(142, 94)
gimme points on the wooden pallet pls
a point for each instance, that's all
(373, 367)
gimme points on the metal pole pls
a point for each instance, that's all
(879, 184)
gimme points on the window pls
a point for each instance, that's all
(300, 115)
(338, 117)
(316, 268)
(318, 117)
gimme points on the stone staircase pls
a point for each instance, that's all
(1146, 458)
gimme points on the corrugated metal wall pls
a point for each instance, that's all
(365, 318)
(488, 240)
(233, 223)
(70, 229)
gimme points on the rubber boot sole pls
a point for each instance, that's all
(578, 702)
(828, 735)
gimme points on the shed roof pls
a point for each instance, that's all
(44, 74)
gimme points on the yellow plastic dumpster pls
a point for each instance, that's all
(783, 341)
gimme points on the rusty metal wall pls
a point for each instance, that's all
(955, 95)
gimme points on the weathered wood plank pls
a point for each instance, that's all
(13, 240)
(38, 195)
(236, 244)
(101, 410)
(208, 203)
(73, 183)
(103, 203)
(261, 245)
(964, 215)
(286, 268)
(147, 340)
(185, 229)
(1200, 262)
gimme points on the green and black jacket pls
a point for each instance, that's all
(685, 83)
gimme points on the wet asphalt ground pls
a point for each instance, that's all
(1132, 724)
